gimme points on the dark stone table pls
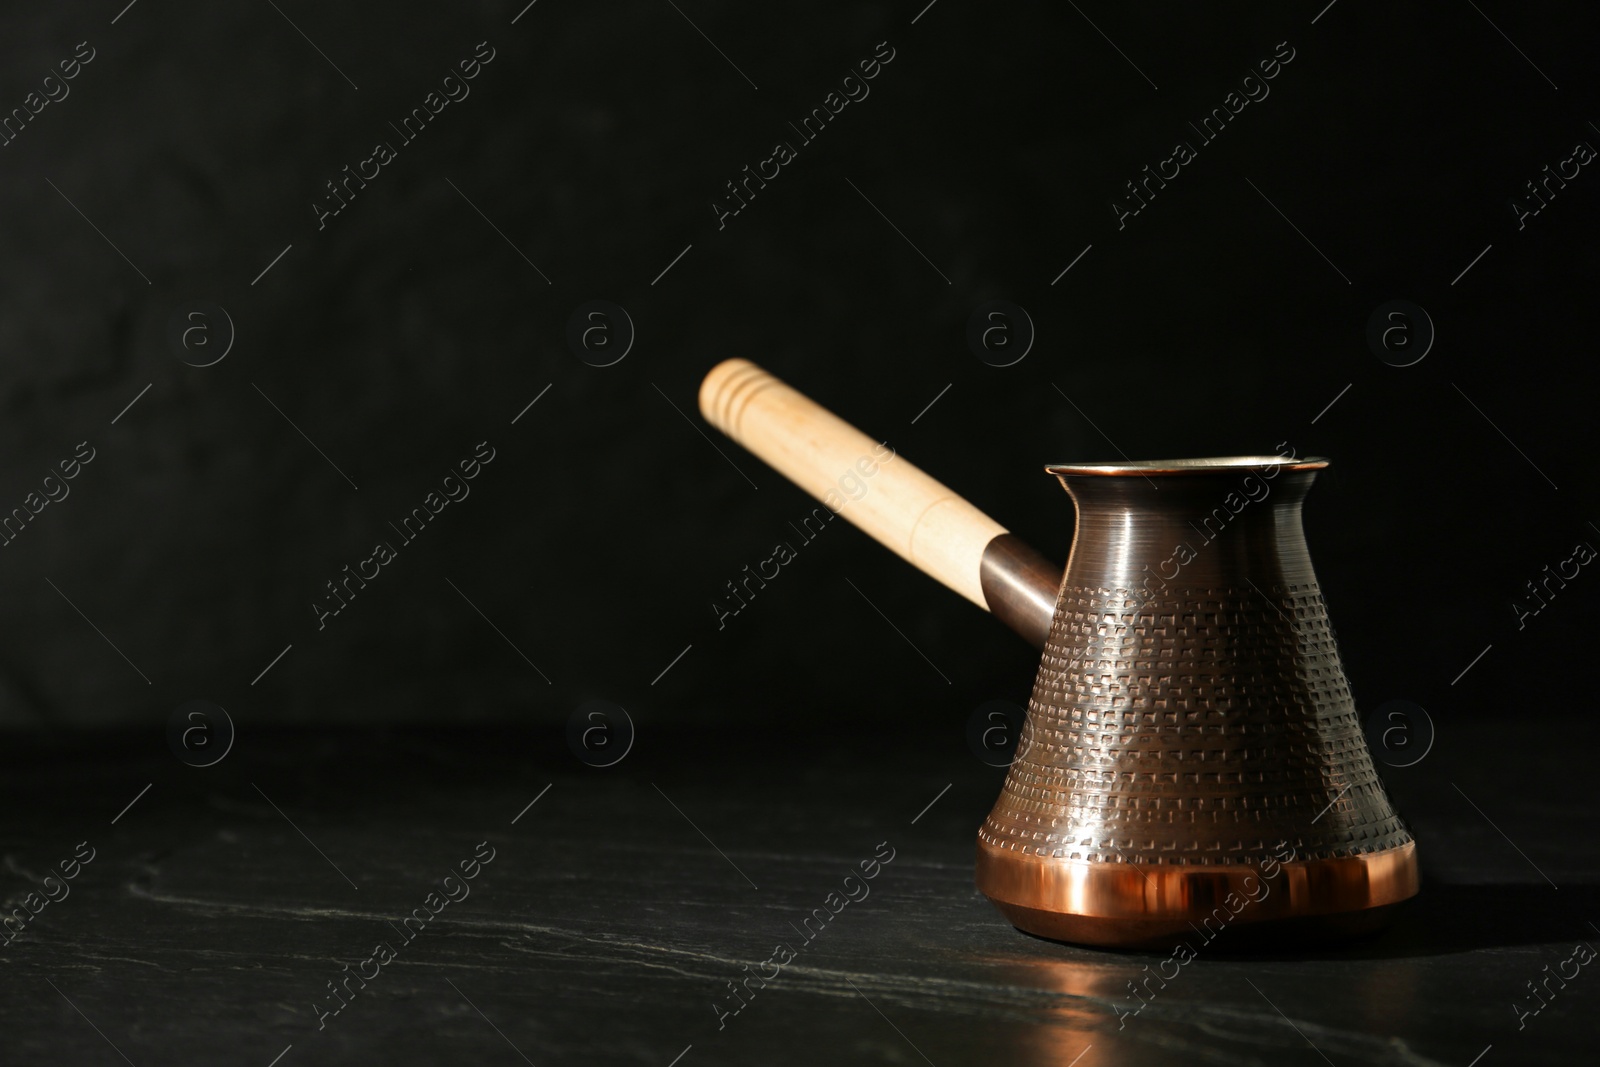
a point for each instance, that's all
(617, 905)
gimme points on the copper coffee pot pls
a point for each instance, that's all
(1192, 759)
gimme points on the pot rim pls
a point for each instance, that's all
(1204, 465)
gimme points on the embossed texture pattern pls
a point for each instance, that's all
(1191, 724)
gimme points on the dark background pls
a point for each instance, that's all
(1230, 315)
(408, 331)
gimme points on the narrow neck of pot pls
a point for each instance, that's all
(1156, 528)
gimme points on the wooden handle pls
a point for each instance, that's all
(854, 476)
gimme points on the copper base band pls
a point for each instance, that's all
(1126, 906)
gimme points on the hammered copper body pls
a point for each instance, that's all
(1191, 733)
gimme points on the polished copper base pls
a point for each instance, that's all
(1123, 905)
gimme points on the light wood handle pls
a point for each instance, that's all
(911, 513)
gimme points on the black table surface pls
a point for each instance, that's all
(620, 903)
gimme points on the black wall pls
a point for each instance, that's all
(408, 329)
